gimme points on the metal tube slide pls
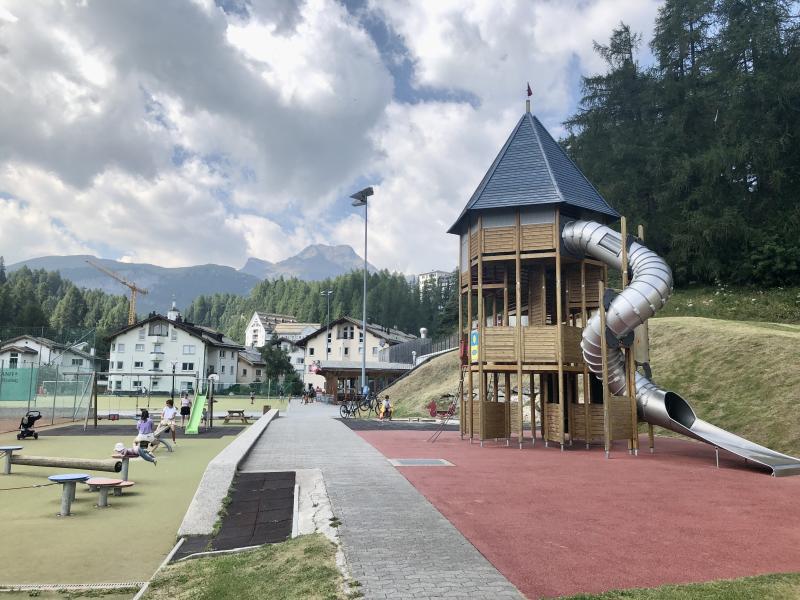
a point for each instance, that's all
(649, 289)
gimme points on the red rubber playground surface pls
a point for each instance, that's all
(564, 523)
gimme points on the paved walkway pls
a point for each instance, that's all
(396, 543)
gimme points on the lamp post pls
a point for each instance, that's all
(360, 199)
(172, 393)
(327, 294)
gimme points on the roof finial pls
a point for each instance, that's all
(528, 101)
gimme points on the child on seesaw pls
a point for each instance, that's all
(137, 450)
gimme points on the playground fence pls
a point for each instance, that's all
(59, 393)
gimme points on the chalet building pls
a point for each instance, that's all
(251, 368)
(25, 351)
(261, 326)
(147, 353)
(338, 370)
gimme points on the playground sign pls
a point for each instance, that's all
(474, 346)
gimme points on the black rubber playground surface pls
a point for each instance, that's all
(260, 512)
(375, 425)
(130, 430)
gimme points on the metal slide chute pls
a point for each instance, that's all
(649, 289)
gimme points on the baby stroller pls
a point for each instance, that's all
(26, 425)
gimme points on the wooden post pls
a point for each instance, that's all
(461, 409)
(94, 398)
(630, 381)
(507, 394)
(650, 434)
(559, 338)
(585, 378)
(470, 387)
(532, 396)
(505, 295)
(481, 341)
(604, 352)
(518, 300)
(544, 399)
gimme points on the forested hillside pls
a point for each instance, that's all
(703, 147)
(391, 301)
(44, 299)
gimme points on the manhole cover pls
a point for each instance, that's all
(420, 462)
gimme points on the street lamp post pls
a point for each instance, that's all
(172, 393)
(327, 294)
(360, 199)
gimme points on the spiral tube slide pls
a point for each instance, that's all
(649, 289)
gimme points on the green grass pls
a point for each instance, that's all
(125, 542)
(776, 305)
(300, 569)
(774, 587)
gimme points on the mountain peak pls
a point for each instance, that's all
(312, 263)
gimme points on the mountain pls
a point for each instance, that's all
(164, 284)
(184, 284)
(315, 262)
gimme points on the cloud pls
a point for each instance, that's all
(180, 133)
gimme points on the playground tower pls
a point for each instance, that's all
(525, 300)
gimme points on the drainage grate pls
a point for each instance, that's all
(420, 462)
(71, 586)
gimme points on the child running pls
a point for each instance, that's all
(168, 414)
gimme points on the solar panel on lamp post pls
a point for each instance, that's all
(360, 199)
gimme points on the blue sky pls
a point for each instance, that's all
(248, 139)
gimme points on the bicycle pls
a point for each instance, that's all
(349, 409)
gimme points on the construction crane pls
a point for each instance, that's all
(135, 289)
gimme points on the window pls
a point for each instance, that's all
(360, 350)
(361, 336)
(258, 372)
(222, 353)
(311, 351)
(155, 384)
(118, 385)
(138, 364)
(159, 329)
(374, 351)
(77, 362)
(141, 333)
(347, 351)
(137, 384)
(174, 335)
(113, 347)
(119, 365)
(158, 349)
(139, 348)
(299, 360)
(187, 366)
(13, 361)
(189, 349)
(244, 372)
(120, 347)
(156, 365)
(222, 370)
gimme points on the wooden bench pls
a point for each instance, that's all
(236, 415)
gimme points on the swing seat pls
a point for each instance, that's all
(113, 416)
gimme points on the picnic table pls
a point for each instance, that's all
(8, 451)
(68, 482)
(236, 415)
(103, 484)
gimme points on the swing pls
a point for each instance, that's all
(114, 416)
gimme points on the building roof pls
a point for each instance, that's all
(393, 336)
(293, 328)
(251, 357)
(270, 319)
(20, 349)
(532, 169)
(206, 334)
(48, 343)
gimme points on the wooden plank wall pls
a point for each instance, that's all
(537, 237)
(499, 240)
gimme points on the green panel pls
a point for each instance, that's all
(15, 384)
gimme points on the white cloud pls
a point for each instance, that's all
(177, 134)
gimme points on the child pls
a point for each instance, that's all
(387, 408)
(137, 450)
(186, 408)
(168, 414)
(145, 424)
(252, 397)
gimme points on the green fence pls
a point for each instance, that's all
(59, 393)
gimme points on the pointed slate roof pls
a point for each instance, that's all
(533, 169)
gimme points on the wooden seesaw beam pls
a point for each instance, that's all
(90, 464)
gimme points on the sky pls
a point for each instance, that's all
(191, 132)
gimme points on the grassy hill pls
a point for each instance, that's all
(741, 376)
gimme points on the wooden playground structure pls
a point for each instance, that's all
(524, 302)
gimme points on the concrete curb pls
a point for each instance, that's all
(204, 508)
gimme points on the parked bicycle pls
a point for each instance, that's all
(349, 408)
